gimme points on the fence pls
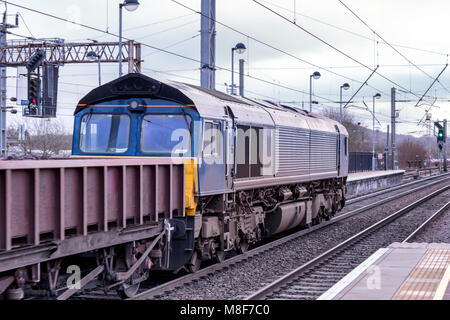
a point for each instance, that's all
(360, 161)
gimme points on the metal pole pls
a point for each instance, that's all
(340, 108)
(120, 39)
(232, 71)
(130, 56)
(394, 167)
(241, 77)
(373, 134)
(208, 44)
(445, 145)
(310, 94)
(3, 94)
(386, 150)
(99, 72)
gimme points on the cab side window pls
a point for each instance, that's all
(212, 139)
(346, 146)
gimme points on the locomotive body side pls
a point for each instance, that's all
(258, 164)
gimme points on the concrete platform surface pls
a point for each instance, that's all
(403, 271)
(361, 183)
(372, 174)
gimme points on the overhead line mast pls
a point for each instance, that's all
(208, 45)
(3, 109)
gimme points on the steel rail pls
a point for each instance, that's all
(179, 282)
(284, 280)
(427, 222)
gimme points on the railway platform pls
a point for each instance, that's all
(403, 271)
(360, 183)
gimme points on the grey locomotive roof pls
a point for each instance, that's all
(212, 104)
(209, 103)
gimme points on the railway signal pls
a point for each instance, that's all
(34, 90)
(36, 60)
(441, 138)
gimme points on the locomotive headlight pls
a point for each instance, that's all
(134, 104)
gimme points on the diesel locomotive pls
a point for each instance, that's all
(257, 167)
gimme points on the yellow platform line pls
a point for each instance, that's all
(426, 277)
(442, 288)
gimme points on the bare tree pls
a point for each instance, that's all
(42, 137)
(410, 150)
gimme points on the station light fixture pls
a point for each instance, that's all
(316, 76)
(131, 5)
(239, 48)
(345, 86)
(93, 56)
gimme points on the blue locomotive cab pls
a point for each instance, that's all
(135, 122)
(112, 129)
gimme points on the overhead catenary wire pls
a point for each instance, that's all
(150, 46)
(167, 30)
(163, 50)
(26, 25)
(332, 46)
(391, 46)
(271, 46)
(349, 31)
(185, 57)
(172, 45)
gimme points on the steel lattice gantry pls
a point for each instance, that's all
(62, 53)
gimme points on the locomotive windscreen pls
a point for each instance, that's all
(104, 133)
(166, 134)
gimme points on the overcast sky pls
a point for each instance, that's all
(416, 29)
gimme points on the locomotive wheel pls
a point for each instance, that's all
(317, 220)
(242, 247)
(220, 256)
(195, 263)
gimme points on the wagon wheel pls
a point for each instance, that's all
(129, 289)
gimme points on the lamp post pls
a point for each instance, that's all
(316, 76)
(130, 5)
(376, 96)
(94, 56)
(239, 48)
(345, 86)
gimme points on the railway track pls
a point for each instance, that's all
(313, 278)
(429, 222)
(379, 197)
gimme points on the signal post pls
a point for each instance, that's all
(441, 141)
